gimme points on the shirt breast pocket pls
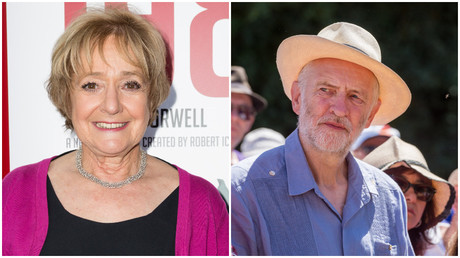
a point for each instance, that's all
(385, 249)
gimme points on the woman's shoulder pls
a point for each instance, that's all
(27, 173)
(433, 250)
(39, 168)
(194, 180)
(202, 197)
(202, 214)
(23, 186)
(198, 186)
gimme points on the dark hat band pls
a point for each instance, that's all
(355, 48)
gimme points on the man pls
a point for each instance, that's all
(371, 138)
(311, 196)
(245, 105)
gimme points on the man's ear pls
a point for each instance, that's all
(295, 97)
(373, 112)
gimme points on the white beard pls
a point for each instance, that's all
(325, 139)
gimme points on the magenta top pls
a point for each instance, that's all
(202, 217)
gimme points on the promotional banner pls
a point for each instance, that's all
(192, 129)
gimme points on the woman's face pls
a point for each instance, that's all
(240, 126)
(110, 110)
(415, 207)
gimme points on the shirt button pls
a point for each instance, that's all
(271, 173)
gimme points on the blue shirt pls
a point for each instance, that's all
(278, 209)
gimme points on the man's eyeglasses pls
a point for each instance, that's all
(243, 112)
(423, 192)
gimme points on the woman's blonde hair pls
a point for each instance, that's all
(137, 40)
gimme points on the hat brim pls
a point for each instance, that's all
(296, 51)
(258, 101)
(445, 193)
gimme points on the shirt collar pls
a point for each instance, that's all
(360, 174)
(300, 178)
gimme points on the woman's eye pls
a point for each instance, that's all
(132, 85)
(89, 86)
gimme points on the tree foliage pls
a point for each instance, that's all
(417, 40)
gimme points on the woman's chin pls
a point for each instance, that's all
(111, 148)
(410, 225)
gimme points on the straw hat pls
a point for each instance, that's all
(396, 150)
(241, 85)
(351, 43)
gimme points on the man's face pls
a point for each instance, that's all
(243, 116)
(335, 101)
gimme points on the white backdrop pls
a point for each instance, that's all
(194, 125)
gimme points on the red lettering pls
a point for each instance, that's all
(162, 17)
(72, 10)
(202, 73)
(119, 5)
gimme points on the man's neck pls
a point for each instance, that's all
(328, 169)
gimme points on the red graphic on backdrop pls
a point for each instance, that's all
(201, 69)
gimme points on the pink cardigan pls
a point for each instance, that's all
(202, 217)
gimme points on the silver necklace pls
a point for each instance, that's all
(128, 180)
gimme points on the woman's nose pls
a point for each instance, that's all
(111, 103)
(410, 195)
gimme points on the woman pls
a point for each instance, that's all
(109, 197)
(429, 198)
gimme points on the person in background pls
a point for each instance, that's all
(109, 197)
(452, 249)
(429, 198)
(371, 138)
(449, 226)
(260, 140)
(244, 108)
(310, 196)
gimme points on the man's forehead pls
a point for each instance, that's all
(329, 62)
(322, 67)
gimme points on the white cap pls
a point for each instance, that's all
(375, 130)
(260, 140)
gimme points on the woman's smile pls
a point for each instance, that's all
(110, 126)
